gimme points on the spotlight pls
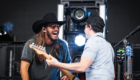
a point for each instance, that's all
(80, 40)
(80, 14)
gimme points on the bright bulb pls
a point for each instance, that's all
(5, 32)
(80, 40)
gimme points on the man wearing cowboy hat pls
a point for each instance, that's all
(34, 66)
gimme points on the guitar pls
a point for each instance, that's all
(128, 74)
(41, 50)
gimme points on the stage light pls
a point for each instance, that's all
(8, 26)
(80, 14)
(80, 40)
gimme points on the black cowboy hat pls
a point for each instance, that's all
(48, 18)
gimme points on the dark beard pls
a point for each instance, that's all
(49, 35)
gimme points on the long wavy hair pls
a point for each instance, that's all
(40, 40)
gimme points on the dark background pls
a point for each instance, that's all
(123, 17)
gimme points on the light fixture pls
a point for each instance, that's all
(8, 26)
(80, 14)
(80, 40)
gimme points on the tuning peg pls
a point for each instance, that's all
(36, 46)
(44, 49)
(39, 47)
(33, 44)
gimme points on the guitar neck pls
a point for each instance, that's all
(65, 72)
(129, 65)
(42, 52)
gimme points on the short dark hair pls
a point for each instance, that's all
(96, 22)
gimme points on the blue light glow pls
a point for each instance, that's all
(8, 26)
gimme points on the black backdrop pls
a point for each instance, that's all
(123, 17)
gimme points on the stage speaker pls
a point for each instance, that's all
(10, 55)
(136, 61)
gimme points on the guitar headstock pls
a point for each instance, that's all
(129, 51)
(39, 49)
